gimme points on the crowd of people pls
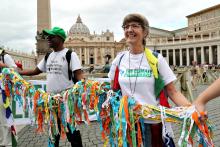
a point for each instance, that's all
(136, 72)
(199, 74)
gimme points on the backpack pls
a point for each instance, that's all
(159, 86)
(2, 56)
(68, 59)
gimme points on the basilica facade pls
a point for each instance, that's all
(92, 49)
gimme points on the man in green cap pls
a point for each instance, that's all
(59, 69)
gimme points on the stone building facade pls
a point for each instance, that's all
(28, 61)
(199, 41)
(92, 49)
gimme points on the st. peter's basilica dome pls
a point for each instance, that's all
(79, 28)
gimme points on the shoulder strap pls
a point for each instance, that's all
(116, 85)
(68, 58)
(120, 59)
(3, 55)
(46, 57)
(3, 59)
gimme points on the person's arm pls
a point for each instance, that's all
(30, 72)
(76, 68)
(210, 93)
(78, 74)
(168, 76)
(177, 97)
(3, 64)
(8, 62)
(41, 67)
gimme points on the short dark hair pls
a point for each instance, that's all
(135, 17)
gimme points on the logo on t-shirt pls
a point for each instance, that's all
(138, 73)
(54, 67)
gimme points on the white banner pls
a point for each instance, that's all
(19, 115)
(22, 117)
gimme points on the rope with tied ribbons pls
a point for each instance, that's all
(117, 117)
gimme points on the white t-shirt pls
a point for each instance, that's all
(8, 61)
(57, 70)
(144, 91)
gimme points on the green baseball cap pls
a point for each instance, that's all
(55, 31)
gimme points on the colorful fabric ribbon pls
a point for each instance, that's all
(116, 115)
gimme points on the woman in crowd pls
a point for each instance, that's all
(137, 75)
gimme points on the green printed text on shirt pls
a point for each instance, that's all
(138, 73)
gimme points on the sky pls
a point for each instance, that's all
(18, 18)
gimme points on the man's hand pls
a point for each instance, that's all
(78, 74)
(200, 107)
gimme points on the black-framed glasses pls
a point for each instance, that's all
(133, 26)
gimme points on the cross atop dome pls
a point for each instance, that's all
(79, 20)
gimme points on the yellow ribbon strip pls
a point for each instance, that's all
(152, 60)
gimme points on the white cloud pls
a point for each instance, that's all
(18, 17)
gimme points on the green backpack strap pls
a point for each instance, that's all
(152, 58)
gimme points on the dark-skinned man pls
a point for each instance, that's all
(57, 68)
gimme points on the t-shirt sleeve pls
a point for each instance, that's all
(9, 61)
(75, 62)
(42, 65)
(165, 71)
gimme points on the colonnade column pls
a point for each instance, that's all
(85, 56)
(174, 57)
(95, 55)
(80, 55)
(202, 55)
(102, 56)
(167, 56)
(194, 54)
(181, 57)
(210, 55)
(187, 57)
(218, 54)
